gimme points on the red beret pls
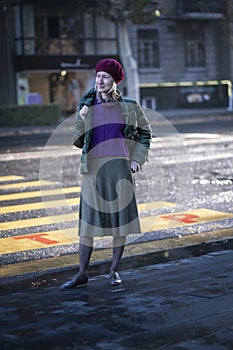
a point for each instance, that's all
(112, 67)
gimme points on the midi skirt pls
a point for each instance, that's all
(107, 201)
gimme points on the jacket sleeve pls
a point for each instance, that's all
(143, 138)
(79, 131)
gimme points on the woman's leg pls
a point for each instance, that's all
(85, 250)
(117, 251)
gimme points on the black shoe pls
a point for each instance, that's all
(77, 280)
(115, 279)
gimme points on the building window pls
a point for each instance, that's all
(147, 48)
(58, 34)
(195, 48)
(149, 102)
(53, 27)
(62, 31)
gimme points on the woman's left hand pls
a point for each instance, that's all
(135, 167)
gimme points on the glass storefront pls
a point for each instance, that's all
(63, 88)
(57, 48)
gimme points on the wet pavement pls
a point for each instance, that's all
(180, 305)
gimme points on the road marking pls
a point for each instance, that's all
(10, 178)
(160, 246)
(34, 194)
(40, 205)
(195, 158)
(155, 223)
(67, 236)
(36, 241)
(26, 184)
(186, 218)
(154, 205)
(39, 237)
(68, 202)
(48, 220)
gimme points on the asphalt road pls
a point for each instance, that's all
(184, 304)
(187, 182)
(183, 122)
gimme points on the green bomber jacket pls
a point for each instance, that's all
(137, 131)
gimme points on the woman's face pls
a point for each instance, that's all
(104, 82)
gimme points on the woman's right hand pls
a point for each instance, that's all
(83, 112)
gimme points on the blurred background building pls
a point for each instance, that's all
(182, 56)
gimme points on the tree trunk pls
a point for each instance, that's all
(129, 63)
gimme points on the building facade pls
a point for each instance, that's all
(52, 50)
(184, 55)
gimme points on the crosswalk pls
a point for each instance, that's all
(27, 227)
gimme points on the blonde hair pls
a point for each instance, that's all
(113, 91)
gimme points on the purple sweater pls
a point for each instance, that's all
(108, 132)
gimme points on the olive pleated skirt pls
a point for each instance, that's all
(107, 202)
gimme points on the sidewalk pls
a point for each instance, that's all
(173, 115)
(40, 272)
(182, 305)
(195, 112)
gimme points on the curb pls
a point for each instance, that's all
(137, 255)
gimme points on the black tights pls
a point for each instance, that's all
(117, 251)
(85, 251)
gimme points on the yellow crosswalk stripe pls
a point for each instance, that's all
(154, 205)
(41, 240)
(48, 220)
(11, 178)
(29, 242)
(34, 194)
(26, 184)
(11, 225)
(39, 205)
(20, 268)
(70, 235)
(67, 202)
(191, 217)
(59, 237)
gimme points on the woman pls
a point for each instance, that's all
(115, 136)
